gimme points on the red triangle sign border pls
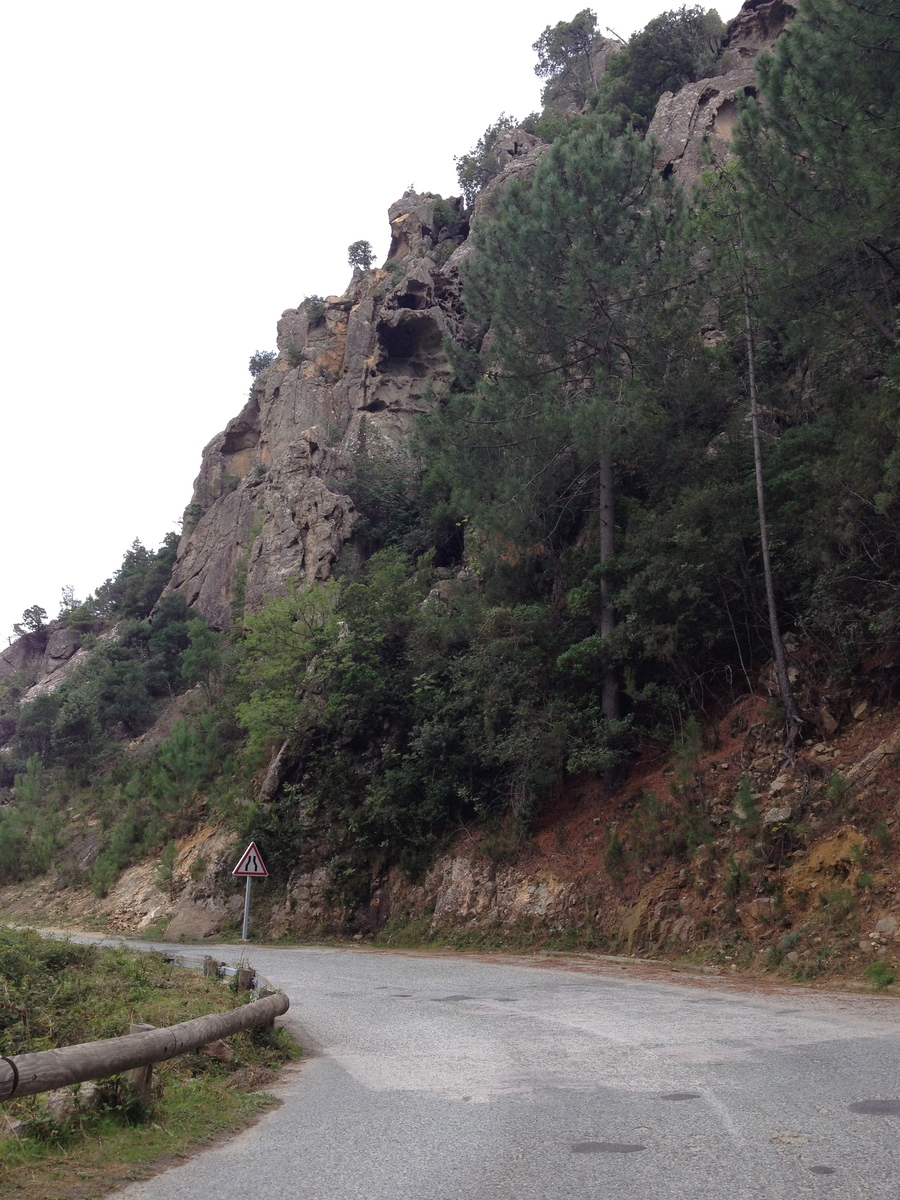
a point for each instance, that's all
(251, 864)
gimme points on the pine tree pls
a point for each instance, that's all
(564, 55)
(574, 276)
(819, 160)
(360, 255)
(816, 209)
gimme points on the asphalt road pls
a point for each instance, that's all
(460, 1078)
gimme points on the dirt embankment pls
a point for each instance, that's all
(719, 853)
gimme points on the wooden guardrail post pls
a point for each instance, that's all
(140, 1079)
(270, 1024)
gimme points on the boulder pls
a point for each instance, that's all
(218, 1049)
(774, 816)
(61, 645)
(66, 1103)
(191, 922)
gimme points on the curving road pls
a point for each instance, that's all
(435, 1077)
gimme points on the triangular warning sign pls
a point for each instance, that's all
(251, 863)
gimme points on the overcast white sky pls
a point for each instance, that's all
(177, 174)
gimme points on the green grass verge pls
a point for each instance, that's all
(54, 993)
(95, 1154)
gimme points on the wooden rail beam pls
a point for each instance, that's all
(46, 1070)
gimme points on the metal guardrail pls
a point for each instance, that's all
(206, 963)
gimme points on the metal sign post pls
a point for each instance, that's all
(250, 866)
(246, 908)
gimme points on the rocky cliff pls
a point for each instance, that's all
(698, 120)
(353, 370)
(790, 850)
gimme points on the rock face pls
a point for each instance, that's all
(703, 113)
(270, 503)
(458, 893)
(351, 373)
(45, 661)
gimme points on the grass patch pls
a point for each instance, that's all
(880, 974)
(100, 1152)
(56, 993)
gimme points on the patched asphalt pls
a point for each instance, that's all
(456, 1077)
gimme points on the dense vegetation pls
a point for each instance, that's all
(577, 563)
(65, 747)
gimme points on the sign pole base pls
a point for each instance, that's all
(246, 910)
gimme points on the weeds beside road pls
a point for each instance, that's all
(55, 993)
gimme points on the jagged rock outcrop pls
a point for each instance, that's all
(45, 660)
(350, 375)
(19, 654)
(270, 503)
(516, 153)
(703, 114)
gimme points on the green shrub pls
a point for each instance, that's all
(837, 789)
(880, 974)
(672, 49)
(191, 516)
(315, 308)
(838, 904)
(138, 584)
(774, 955)
(736, 878)
(260, 360)
(882, 835)
(164, 875)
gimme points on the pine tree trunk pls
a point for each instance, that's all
(610, 693)
(793, 721)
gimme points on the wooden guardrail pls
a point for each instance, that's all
(45, 1070)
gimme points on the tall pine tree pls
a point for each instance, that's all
(574, 276)
(819, 156)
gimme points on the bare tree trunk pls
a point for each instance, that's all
(793, 721)
(610, 693)
(278, 764)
